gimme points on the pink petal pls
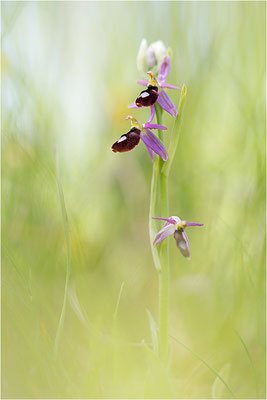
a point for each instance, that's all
(166, 103)
(168, 86)
(163, 234)
(170, 220)
(154, 126)
(153, 142)
(152, 109)
(193, 224)
(132, 105)
(164, 69)
(151, 153)
(173, 218)
(143, 83)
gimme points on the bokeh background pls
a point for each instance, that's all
(68, 73)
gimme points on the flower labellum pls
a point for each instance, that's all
(149, 96)
(175, 226)
(182, 243)
(129, 140)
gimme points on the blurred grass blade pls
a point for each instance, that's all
(154, 331)
(118, 302)
(250, 360)
(175, 134)
(67, 238)
(218, 387)
(10, 21)
(207, 365)
(115, 346)
(75, 304)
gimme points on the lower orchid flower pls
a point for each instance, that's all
(141, 131)
(175, 226)
(155, 91)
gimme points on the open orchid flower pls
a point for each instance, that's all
(175, 226)
(141, 131)
(155, 91)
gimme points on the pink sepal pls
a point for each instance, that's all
(141, 82)
(164, 69)
(132, 105)
(168, 86)
(170, 220)
(152, 114)
(154, 126)
(193, 224)
(166, 103)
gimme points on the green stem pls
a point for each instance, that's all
(153, 212)
(164, 277)
(163, 273)
(67, 238)
(159, 186)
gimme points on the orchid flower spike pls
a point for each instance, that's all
(175, 226)
(141, 131)
(155, 91)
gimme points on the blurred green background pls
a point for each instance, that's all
(68, 73)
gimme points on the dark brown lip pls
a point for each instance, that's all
(130, 140)
(147, 97)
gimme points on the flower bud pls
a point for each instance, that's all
(160, 51)
(150, 58)
(141, 61)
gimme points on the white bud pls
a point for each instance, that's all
(150, 58)
(141, 61)
(160, 51)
